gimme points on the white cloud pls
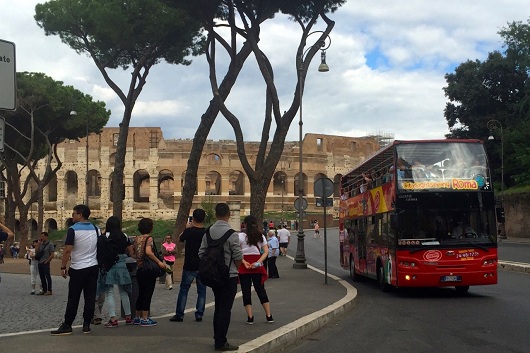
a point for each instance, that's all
(387, 64)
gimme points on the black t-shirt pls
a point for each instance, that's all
(193, 238)
(3, 236)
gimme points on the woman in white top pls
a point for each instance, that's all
(252, 272)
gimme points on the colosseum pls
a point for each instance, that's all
(155, 169)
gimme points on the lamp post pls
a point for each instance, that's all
(300, 261)
(73, 113)
(496, 125)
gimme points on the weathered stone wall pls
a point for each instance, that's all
(517, 211)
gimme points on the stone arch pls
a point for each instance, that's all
(304, 184)
(213, 183)
(279, 183)
(166, 187)
(141, 184)
(336, 185)
(213, 159)
(51, 189)
(94, 183)
(50, 225)
(71, 189)
(319, 176)
(237, 183)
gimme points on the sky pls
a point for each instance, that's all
(387, 63)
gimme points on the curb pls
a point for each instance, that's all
(308, 324)
(513, 266)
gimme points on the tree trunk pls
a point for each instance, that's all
(118, 186)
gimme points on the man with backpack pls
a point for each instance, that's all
(226, 293)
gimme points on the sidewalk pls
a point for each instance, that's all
(301, 303)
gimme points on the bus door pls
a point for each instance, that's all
(361, 245)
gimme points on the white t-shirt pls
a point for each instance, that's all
(283, 235)
(250, 249)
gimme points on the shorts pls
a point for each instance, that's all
(284, 245)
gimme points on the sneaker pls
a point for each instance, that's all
(136, 321)
(270, 320)
(48, 293)
(148, 322)
(129, 320)
(32, 292)
(86, 328)
(64, 329)
(176, 318)
(96, 321)
(41, 293)
(227, 347)
(112, 323)
(170, 288)
(250, 320)
(198, 319)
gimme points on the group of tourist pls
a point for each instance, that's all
(250, 256)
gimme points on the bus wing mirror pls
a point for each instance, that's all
(394, 221)
(501, 218)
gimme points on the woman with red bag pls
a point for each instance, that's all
(252, 272)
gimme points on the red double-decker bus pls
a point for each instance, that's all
(421, 214)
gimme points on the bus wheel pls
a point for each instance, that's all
(354, 276)
(385, 287)
(461, 289)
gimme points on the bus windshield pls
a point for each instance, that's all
(439, 166)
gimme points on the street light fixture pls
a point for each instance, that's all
(300, 261)
(493, 125)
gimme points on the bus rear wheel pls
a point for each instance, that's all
(461, 289)
(354, 276)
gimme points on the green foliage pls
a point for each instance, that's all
(497, 88)
(209, 208)
(123, 33)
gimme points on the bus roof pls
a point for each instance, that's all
(381, 157)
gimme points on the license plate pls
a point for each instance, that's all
(451, 278)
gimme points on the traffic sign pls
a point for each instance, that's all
(323, 187)
(7, 75)
(298, 206)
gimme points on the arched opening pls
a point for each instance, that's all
(72, 187)
(50, 225)
(213, 183)
(302, 187)
(165, 187)
(52, 189)
(279, 183)
(141, 186)
(237, 183)
(336, 185)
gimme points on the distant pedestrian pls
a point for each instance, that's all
(44, 253)
(80, 247)
(284, 237)
(316, 228)
(192, 237)
(274, 251)
(224, 295)
(33, 267)
(2, 253)
(143, 246)
(251, 271)
(169, 249)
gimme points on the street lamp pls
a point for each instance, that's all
(300, 261)
(74, 113)
(496, 125)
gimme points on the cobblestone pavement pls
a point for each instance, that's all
(20, 311)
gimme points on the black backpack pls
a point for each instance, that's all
(213, 270)
(107, 252)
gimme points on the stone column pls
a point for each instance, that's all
(235, 214)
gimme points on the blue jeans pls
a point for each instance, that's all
(185, 284)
